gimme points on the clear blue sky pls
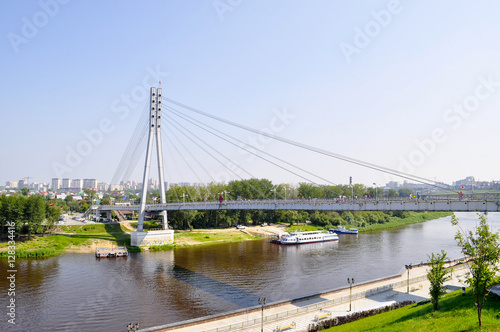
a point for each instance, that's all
(409, 85)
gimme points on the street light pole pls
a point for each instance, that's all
(408, 268)
(183, 198)
(225, 194)
(262, 302)
(274, 189)
(351, 282)
(375, 190)
(285, 192)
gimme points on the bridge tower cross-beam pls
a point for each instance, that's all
(154, 132)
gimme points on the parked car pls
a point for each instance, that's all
(264, 224)
(240, 227)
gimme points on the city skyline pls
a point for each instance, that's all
(405, 86)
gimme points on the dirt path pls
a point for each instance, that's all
(128, 226)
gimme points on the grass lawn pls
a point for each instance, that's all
(50, 245)
(196, 238)
(414, 217)
(456, 313)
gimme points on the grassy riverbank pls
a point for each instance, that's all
(78, 239)
(393, 222)
(198, 238)
(50, 245)
(456, 313)
(413, 218)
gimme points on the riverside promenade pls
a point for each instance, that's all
(297, 314)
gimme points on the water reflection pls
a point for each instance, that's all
(79, 293)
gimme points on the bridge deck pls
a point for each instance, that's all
(464, 205)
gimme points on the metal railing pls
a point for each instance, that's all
(380, 200)
(324, 304)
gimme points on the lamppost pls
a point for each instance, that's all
(274, 189)
(375, 190)
(262, 302)
(408, 268)
(352, 188)
(285, 192)
(225, 194)
(183, 198)
(351, 282)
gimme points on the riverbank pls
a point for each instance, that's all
(86, 238)
(306, 311)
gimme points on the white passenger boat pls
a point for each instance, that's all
(308, 237)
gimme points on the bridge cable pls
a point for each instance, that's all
(249, 151)
(127, 158)
(217, 158)
(319, 151)
(179, 114)
(183, 158)
(194, 158)
(229, 169)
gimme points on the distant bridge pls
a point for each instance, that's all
(435, 203)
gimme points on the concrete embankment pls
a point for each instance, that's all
(302, 311)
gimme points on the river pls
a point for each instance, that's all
(76, 292)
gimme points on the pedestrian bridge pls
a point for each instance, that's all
(484, 204)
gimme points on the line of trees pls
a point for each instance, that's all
(265, 189)
(30, 214)
(482, 247)
(189, 219)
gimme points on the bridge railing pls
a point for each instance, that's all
(363, 200)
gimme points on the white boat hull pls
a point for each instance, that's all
(308, 237)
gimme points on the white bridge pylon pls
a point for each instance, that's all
(154, 133)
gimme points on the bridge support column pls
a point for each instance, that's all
(109, 215)
(146, 239)
(154, 132)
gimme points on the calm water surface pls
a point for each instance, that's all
(76, 292)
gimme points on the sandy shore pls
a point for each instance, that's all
(184, 241)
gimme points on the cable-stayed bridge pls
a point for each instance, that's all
(180, 120)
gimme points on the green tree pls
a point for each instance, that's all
(404, 192)
(436, 276)
(307, 190)
(12, 209)
(393, 193)
(25, 191)
(105, 201)
(482, 248)
(35, 214)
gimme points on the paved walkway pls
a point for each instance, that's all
(304, 312)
